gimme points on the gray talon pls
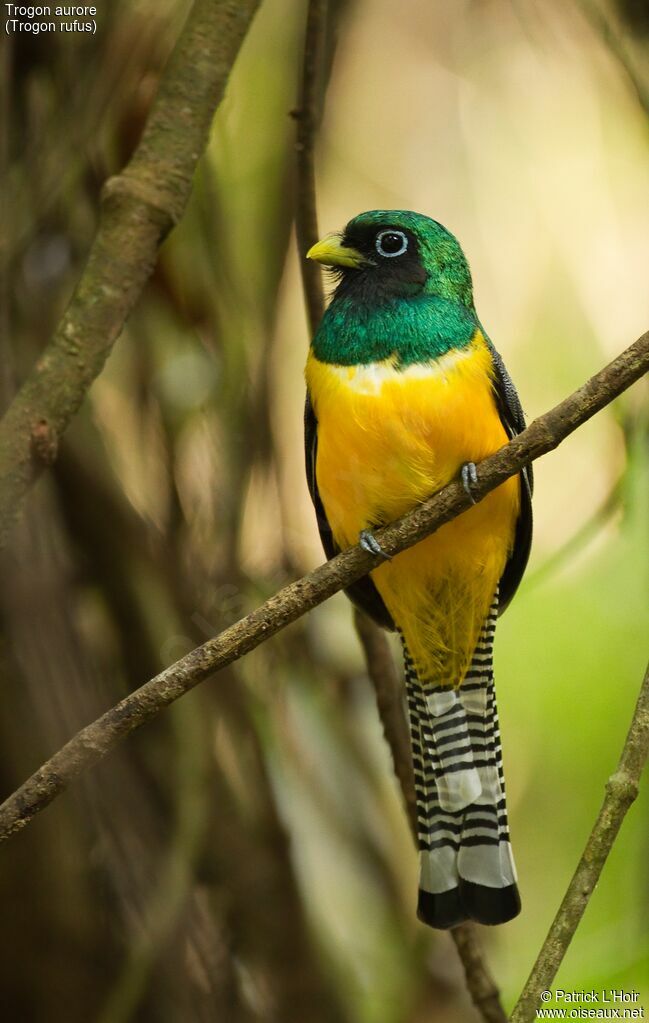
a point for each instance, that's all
(469, 475)
(369, 543)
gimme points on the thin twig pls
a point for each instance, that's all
(621, 790)
(7, 371)
(482, 987)
(307, 118)
(92, 743)
(138, 209)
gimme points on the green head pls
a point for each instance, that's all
(404, 291)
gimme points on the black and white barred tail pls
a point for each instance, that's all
(467, 869)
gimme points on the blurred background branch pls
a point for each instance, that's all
(379, 660)
(307, 117)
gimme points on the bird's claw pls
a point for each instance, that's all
(369, 543)
(469, 476)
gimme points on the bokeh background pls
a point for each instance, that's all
(246, 856)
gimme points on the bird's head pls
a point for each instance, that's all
(395, 254)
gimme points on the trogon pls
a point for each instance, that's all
(405, 392)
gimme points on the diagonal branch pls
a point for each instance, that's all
(96, 740)
(138, 209)
(621, 790)
(480, 984)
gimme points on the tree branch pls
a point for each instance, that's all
(92, 743)
(621, 790)
(388, 691)
(138, 208)
(307, 117)
(378, 656)
(481, 985)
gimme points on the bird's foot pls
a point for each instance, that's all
(469, 475)
(369, 543)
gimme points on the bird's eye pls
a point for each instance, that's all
(391, 243)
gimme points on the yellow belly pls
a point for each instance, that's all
(388, 439)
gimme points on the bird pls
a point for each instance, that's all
(406, 392)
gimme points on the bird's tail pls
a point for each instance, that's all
(466, 863)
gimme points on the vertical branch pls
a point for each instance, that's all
(7, 383)
(388, 691)
(621, 790)
(307, 118)
(379, 662)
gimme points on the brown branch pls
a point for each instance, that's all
(379, 662)
(307, 117)
(138, 209)
(621, 790)
(7, 375)
(378, 658)
(388, 691)
(96, 740)
(482, 987)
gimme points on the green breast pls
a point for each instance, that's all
(413, 330)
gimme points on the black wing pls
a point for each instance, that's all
(513, 419)
(363, 593)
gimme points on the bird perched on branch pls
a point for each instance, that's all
(405, 392)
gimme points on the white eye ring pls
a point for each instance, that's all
(381, 235)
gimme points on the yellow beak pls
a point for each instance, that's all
(330, 252)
